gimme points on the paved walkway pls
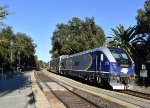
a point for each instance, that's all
(16, 92)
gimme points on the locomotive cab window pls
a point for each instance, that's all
(119, 53)
(121, 57)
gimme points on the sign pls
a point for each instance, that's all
(143, 73)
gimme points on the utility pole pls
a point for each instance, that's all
(11, 56)
(2, 63)
(19, 60)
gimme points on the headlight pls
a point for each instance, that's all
(114, 65)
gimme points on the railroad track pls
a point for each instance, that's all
(137, 94)
(129, 92)
(67, 97)
(110, 97)
(133, 93)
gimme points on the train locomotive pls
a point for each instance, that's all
(111, 65)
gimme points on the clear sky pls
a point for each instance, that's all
(38, 18)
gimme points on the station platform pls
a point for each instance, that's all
(21, 91)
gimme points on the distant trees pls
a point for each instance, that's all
(6, 35)
(25, 48)
(42, 64)
(16, 50)
(76, 36)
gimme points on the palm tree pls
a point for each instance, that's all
(130, 40)
(145, 49)
(126, 38)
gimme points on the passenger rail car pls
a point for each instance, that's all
(104, 64)
(54, 65)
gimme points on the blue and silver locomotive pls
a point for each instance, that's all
(104, 64)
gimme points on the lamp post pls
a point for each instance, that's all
(28, 62)
(11, 56)
(18, 57)
(11, 44)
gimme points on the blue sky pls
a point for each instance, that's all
(38, 18)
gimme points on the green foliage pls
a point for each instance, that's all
(6, 35)
(42, 64)
(143, 22)
(143, 18)
(126, 38)
(3, 13)
(16, 50)
(76, 36)
(25, 47)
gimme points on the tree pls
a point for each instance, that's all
(143, 23)
(126, 38)
(6, 35)
(16, 49)
(129, 40)
(143, 27)
(76, 36)
(3, 13)
(143, 19)
(24, 49)
(42, 64)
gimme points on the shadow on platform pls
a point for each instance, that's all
(15, 85)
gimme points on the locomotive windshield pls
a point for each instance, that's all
(121, 57)
(119, 54)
